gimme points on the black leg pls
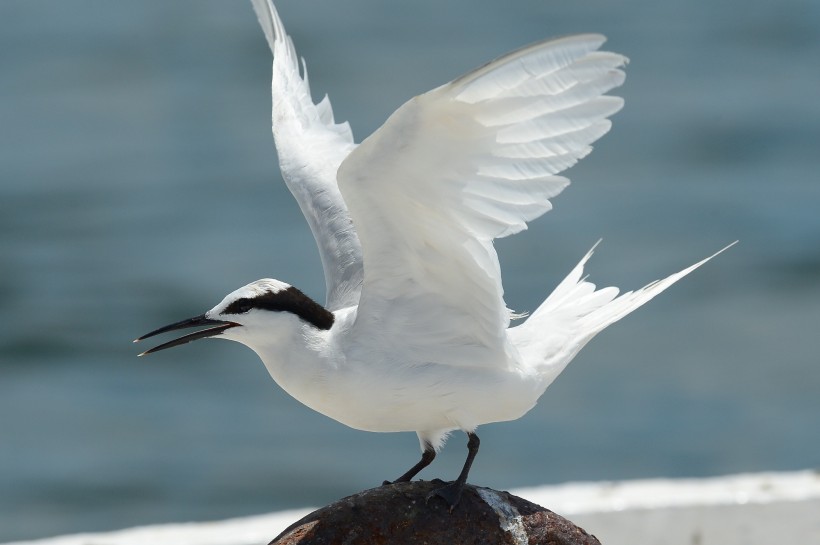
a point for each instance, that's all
(426, 458)
(452, 492)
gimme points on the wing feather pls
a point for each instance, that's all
(455, 168)
(311, 146)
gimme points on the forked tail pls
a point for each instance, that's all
(575, 312)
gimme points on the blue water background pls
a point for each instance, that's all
(138, 185)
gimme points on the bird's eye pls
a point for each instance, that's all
(239, 307)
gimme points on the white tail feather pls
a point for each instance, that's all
(575, 312)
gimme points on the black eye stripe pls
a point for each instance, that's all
(240, 306)
(288, 300)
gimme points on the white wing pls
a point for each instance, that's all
(456, 167)
(311, 146)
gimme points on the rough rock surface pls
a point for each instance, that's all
(399, 514)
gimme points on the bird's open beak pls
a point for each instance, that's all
(218, 327)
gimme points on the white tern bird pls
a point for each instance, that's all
(414, 334)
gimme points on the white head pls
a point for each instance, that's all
(250, 315)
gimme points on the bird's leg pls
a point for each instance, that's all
(426, 458)
(452, 492)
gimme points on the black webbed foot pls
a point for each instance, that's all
(451, 493)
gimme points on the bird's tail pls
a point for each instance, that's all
(575, 312)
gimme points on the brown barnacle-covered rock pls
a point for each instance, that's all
(400, 514)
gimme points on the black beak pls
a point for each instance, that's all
(219, 327)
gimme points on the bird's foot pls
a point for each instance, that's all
(450, 493)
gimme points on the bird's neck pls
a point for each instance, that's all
(300, 359)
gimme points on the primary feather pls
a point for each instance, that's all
(311, 146)
(457, 167)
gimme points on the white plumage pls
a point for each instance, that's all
(414, 334)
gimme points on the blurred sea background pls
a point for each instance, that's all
(139, 185)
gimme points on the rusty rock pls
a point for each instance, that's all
(399, 514)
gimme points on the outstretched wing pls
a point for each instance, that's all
(311, 146)
(456, 167)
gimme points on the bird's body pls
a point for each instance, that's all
(414, 334)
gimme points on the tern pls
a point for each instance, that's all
(414, 334)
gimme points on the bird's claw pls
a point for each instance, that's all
(450, 493)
